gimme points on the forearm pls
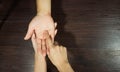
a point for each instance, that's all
(40, 64)
(66, 67)
(43, 7)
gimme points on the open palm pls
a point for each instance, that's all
(38, 25)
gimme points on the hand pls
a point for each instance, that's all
(39, 24)
(35, 46)
(57, 54)
(40, 62)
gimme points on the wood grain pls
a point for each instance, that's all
(90, 29)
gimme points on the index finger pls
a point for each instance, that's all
(49, 41)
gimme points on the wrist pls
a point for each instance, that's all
(43, 13)
(66, 67)
(61, 66)
(40, 64)
(43, 7)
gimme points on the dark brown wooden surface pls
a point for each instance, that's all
(90, 29)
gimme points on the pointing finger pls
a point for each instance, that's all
(49, 42)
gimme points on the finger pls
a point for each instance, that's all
(52, 34)
(34, 42)
(39, 46)
(55, 24)
(49, 42)
(52, 37)
(29, 33)
(56, 32)
(48, 50)
(43, 47)
(45, 36)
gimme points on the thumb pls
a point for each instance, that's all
(29, 33)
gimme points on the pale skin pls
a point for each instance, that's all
(43, 42)
(57, 55)
(41, 22)
(40, 62)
